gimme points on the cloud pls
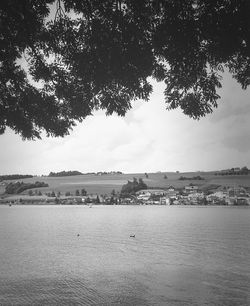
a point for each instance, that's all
(148, 139)
(234, 100)
(238, 136)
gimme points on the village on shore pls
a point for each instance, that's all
(134, 192)
(189, 195)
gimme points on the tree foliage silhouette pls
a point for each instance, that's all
(61, 60)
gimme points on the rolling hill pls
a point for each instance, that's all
(104, 184)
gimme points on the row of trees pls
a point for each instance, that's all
(58, 194)
(81, 192)
(193, 178)
(35, 192)
(65, 173)
(14, 177)
(234, 171)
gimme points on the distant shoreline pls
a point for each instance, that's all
(122, 205)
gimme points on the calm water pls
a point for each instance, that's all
(179, 256)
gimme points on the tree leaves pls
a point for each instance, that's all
(99, 54)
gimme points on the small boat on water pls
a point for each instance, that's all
(132, 236)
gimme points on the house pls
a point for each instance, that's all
(191, 189)
(150, 192)
(144, 192)
(238, 201)
(144, 197)
(218, 197)
(237, 192)
(195, 197)
(236, 169)
(238, 196)
(171, 192)
(165, 201)
(242, 201)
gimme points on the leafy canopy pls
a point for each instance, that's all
(133, 186)
(61, 60)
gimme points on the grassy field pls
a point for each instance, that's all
(95, 184)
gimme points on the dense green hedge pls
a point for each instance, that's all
(18, 187)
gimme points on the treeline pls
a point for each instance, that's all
(18, 187)
(71, 173)
(14, 177)
(106, 173)
(133, 187)
(78, 192)
(65, 173)
(194, 178)
(234, 171)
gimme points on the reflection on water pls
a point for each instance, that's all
(179, 256)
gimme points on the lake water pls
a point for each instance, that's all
(179, 255)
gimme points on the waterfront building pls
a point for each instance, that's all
(195, 198)
(237, 192)
(191, 189)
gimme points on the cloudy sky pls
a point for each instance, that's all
(148, 139)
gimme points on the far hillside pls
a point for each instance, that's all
(105, 184)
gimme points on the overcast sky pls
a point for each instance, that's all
(148, 139)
